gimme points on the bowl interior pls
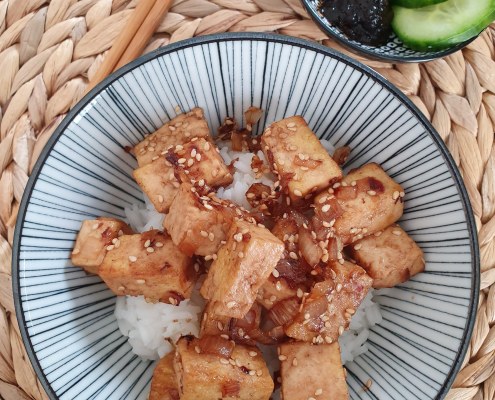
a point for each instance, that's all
(66, 316)
(393, 50)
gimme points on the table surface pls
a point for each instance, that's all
(49, 50)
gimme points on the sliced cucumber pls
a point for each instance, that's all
(416, 3)
(442, 25)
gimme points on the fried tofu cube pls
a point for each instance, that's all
(158, 181)
(330, 305)
(243, 264)
(212, 324)
(390, 256)
(200, 161)
(164, 381)
(366, 201)
(297, 156)
(179, 130)
(197, 225)
(275, 290)
(93, 239)
(149, 264)
(312, 372)
(207, 376)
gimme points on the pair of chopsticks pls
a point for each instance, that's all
(134, 37)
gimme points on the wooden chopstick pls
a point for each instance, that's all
(130, 30)
(143, 35)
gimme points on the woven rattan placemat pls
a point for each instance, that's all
(49, 49)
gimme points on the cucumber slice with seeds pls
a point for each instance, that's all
(442, 25)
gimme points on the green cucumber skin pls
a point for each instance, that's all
(416, 3)
(444, 43)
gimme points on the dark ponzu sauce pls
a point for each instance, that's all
(366, 21)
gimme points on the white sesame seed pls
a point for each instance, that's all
(298, 193)
(150, 249)
(197, 349)
(291, 124)
(395, 195)
(147, 243)
(357, 246)
(220, 326)
(371, 192)
(198, 157)
(397, 233)
(341, 330)
(95, 226)
(76, 251)
(281, 357)
(140, 281)
(132, 258)
(224, 361)
(111, 247)
(253, 353)
(231, 304)
(181, 160)
(339, 287)
(318, 391)
(275, 273)
(325, 208)
(211, 236)
(293, 255)
(240, 254)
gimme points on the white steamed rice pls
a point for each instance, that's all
(153, 328)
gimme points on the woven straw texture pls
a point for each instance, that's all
(49, 50)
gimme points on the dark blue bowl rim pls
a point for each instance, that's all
(359, 50)
(242, 36)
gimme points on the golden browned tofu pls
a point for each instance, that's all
(221, 371)
(93, 240)
(197, 224)
(390, 256)
(199, 160)
(148, 264)
(297, 156)
(179, 130)
(275, 290)
(366, 201)
(328, 309)
(312, 372)
(158, 181)
(202, 162)
(242, 266)
(164, 381)
(212, 324)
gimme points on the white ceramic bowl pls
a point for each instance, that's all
(66, 317)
